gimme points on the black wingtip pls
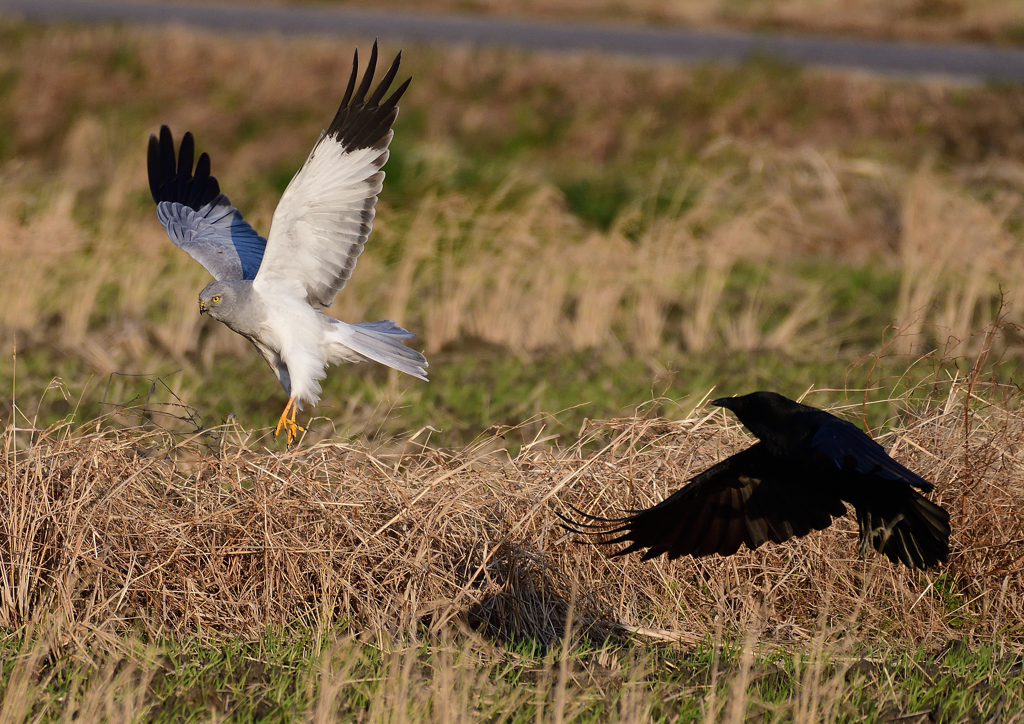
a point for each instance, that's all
(361, 121)
(351, 82)
(153, 166)
(171, 177)
(600, 521)
(186, 154)
(168, 163)
(386, 81)
(371, 68)
(576, 525)
(397, 95)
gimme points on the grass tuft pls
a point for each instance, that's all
(204, 573)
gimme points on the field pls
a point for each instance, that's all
(574, 239)
(152, 576)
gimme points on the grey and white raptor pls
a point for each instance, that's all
(273, 290)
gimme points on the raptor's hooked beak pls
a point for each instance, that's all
(202, 307)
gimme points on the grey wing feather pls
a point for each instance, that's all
(216, 236)
(198, 218)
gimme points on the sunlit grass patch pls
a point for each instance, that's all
(153, 526)
(291, 677)
(574, 239)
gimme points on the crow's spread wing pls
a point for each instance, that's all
(197, 216)
(851, 450)
(325, 215)
(747, 499)
(893, 518)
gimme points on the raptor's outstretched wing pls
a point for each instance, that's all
(325, 215)
(197, 216)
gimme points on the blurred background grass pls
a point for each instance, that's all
(565, 233)
(988, 21)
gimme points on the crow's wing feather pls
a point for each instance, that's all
(851, 450)
(807, 467)
(901, 523)
(746, 499)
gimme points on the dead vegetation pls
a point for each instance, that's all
(203, 532)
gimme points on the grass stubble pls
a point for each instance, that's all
(153, 567)
(409, 583)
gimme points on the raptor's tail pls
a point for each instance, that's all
(381, 342)
(911, 529)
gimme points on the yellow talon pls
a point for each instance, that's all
(284, 416)
(288, 422)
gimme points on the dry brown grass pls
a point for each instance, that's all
(432, 557)
(105, 529)
(532, 278)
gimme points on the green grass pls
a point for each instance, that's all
(660, 142)
(282, 677)
(472, 388)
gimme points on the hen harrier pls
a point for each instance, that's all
(272, 291)
(795, 480)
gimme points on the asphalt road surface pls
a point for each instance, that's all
(969, 62)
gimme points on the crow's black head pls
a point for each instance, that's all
(779, 421)
(759, 403)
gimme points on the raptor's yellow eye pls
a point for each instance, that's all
(215, 299)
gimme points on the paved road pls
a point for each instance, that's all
(966, 61)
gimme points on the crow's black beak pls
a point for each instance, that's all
(726, 402)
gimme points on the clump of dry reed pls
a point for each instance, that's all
(204, 532)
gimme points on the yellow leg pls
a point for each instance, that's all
(288, 421)
(293, 426)
(284, 416)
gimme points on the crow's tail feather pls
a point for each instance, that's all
(912, 530)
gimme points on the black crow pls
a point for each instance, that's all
(807, 464)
